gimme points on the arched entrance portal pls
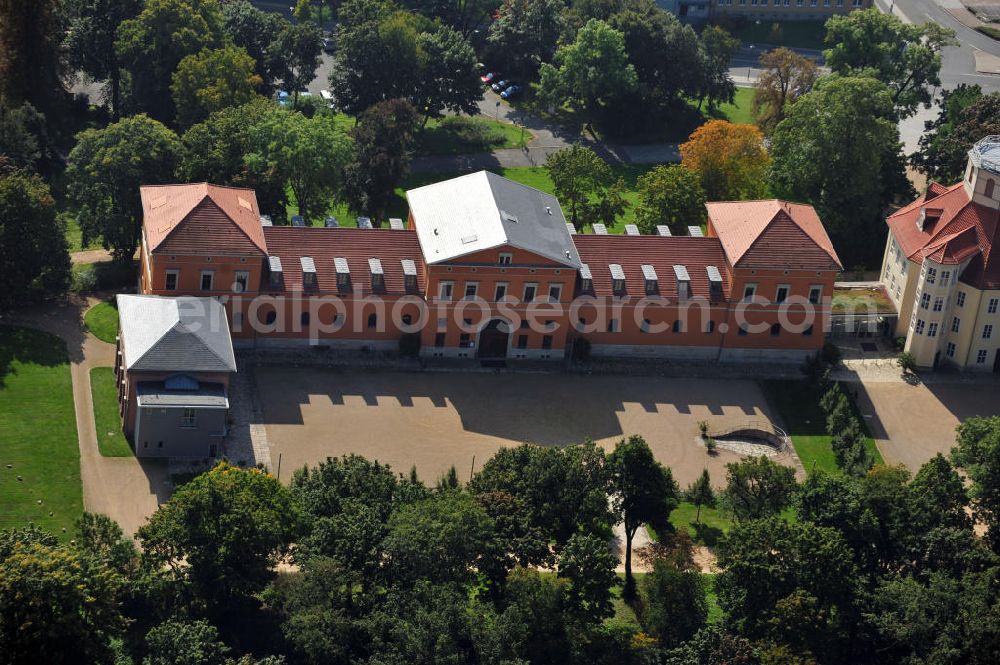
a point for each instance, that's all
(493, 341)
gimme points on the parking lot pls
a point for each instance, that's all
(436, 420)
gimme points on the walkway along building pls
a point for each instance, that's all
(942, 267)
(488, 268)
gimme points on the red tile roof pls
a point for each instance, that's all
(961, 229)
(772, 234)
(209, 215)
(662, 252)
(290, 244)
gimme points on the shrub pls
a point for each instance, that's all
(703, 428)
(906, 362)
(472, 131)
(900, 344)
(711, 446)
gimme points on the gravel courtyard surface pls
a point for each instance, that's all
(435, 420)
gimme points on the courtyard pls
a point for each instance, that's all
(434, 421)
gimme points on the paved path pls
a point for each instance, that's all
(123, 488)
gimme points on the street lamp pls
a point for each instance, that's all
(751, 61)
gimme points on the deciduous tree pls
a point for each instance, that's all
(966, 116)
(591, 73)
(589, 565)
(33, 254)
(718, 47)
(151, 45)
(785, 77)
(190, 642)
(447, 79)
(670, 195)
(700, 493)
(978, 453)
(643, 491)
(24, 138)
(223, 533)
(729, 158)
(295, 52)
(383, 141)
(254, 30)
(212, 80)
(32, 63)
(674, 603)
(906, 57)
(106, 169)
(758, 487)
(524, 33)
(93, 32)
(585, 182)
(838, 149)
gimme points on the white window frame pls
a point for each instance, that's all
(189, 418)
(991, 307)
(818, 290)
(558, 288)
(956, 324)
(920, 327)
(750, 287)
(446, 286)
(988, 331)
(465, 290)
(981, 356)
(925, 301)
(938, 304)
(211, 280)
(237, 276)
(533, 286)
(497, 296)
(176, 274)
(777, 293)
(949, 350)
(506, 258)
(932, 329)
(960, 299)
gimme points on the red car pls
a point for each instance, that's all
(490, 77)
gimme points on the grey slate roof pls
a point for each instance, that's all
(184, 334)
(483, 210)
(208, 395)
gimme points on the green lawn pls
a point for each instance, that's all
(740, 110)
(714, 611)
(707, 531)
(533, 176)
(110, 439)
(459, 135)
(798, 404)
(102, 321)
(38, 440)
(796, 34)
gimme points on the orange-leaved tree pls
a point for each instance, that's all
(730, 159)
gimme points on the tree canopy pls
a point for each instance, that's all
(670, 195)
(966, 115)
(729, 158)
(212, 80)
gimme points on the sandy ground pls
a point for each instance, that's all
(434, 421)
(912, 423)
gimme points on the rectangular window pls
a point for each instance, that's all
(189, 418)
(447, 288)
(988, 331)
(950, 350)
(955, 324)
(991, 308)
(613, 326)
(241, 281)
(749, 291)
(585, 285)
(932, 330)
(555, 292)
(946, 278)
(938, 304)
(815, 294)
(782, 294)
(981, 357)
(710, 326)
(373, 320)
(506, 258)
(618, 285)
(742, 331)
(410, 283)
(207, 276)
(471, 289)
(465, 340)
(931, 275)
(522, 341)
(920, 327)
(529, 292)
(960, 299)
(678, 327)
(439, 340)
(775, 329)
(644, 326)
(925, 301)
(378, 282)
(170, 280)
(501, 291)
(546, 341)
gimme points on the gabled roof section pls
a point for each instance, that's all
(773, 234)
(963, 229)
(182, 334)
(214, 214)
(481, 211)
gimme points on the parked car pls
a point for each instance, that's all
(327, 97)
(489, 77)
(501, 86)
(512, 91)
(329, 46)
(285, 98)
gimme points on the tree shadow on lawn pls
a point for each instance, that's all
(705, 534)
(27, 346)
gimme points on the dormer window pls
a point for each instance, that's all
(506, 258)
(343, 273)
(617, 278)
(378, 276)
(308, 272)
(586, 279)
(409, 275)
(274, 266)
(649, 279)
(683, 282)
(714, 282)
